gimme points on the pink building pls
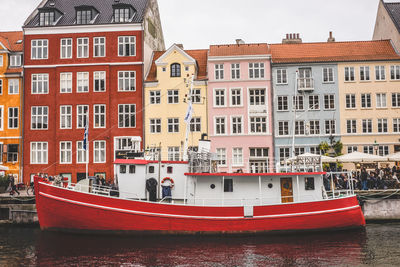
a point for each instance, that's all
(240, 113)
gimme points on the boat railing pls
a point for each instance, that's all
(338, 184)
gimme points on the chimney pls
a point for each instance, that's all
(180, 46)
(239, 42)
(292, 38)
(331, 39)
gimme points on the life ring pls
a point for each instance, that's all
(170, 179)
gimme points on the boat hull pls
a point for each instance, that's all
(68, 210)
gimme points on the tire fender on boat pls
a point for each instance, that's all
(168, 179)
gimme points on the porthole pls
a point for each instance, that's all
(270, 185)
(212, 186)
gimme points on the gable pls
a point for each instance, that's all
(175, 55)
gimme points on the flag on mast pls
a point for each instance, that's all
(189, 113)
(85, 136)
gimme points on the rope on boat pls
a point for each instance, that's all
(380, 199)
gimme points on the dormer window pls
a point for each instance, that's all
(83, 16)
(123, 13)
(47, 18)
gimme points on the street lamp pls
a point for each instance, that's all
(376, 146)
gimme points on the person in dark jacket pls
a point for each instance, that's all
(364, 179)
(13, 186)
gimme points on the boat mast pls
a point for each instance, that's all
(294, 117)
(188, 118)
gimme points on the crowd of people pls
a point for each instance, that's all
(377, 179)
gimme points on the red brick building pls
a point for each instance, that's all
(84, 65)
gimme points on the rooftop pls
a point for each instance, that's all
(12, 41)
(239, 50)
(393, 10)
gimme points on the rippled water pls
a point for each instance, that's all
(377, 245)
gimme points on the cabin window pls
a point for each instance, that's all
(122, 169)
(212, 186)
(270, 185)
(151, 169)
(132, 168)
(169, 169)
(309, 183)
(228, 185)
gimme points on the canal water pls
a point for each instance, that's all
(377, 245)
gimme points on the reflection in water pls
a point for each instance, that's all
(27, 246)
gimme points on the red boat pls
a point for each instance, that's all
(248, 202)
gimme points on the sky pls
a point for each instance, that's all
(198, 24)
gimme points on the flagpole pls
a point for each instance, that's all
(188, 118)
(86, 143)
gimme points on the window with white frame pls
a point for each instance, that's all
(256, 70)
(99, 81)
(351, 149)
(298, 102)
(349, 74)
(39, 118)
(382, 126)
(299, 128)
(395, 72)
(219, 97)
(40, 83)
(12, 152)
(155, 125)
(314, 128)
(46, 17)
(364, 73)
(126, 81)
(299, 151)
(350, 101)
(175, 70)
(65, 152)
(82, 47)
(82, 80)
(39, 49)
(99, 151)
(82, 116)
(173, 96)
(396, 100)
(366, 101)
(237, 156)
(235, 71)
(39, 153)
(126, 46)
(368, 149)
(1, 120)
(281, 76)
(65, 117)
(220, 125)
(173, 153)
(121, 14)
(99, 46)
(257, 97)
(155, 97)
(283, 103)
(237, 124)
(283, 128)
(284, 153)
(81, 153)
(258, 124)
(195, 124)
(327, 75)
(1, 63)
(330, 126)
(236, 97)
(219, 71)
(127, 116)
(380, 73)
(173, 125)
(99, 113)
(66, 48)
(83, 16)
(196, 96)
(13, 113)
(396, 125)
(13, 86)
(126, 144)
(258, 160)
(381, 100)
(329, 102)
(351, 126)
(315, 150)
(367, 126)
(221, 156)
(15, 60)
(66, 82)
(313, 102)
(383, 150)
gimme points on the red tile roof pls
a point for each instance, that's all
(199, 55)
(239, 50)
(333, 52)
(10, 40)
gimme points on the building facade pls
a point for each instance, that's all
(166, 97)
(11, 90)
(84, 64)
(239, 107)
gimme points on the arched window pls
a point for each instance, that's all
(176, 70)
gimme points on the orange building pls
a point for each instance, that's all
(11, 89)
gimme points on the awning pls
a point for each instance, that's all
(360, 157)
(3, 168)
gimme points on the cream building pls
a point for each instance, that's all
(369, 90)
(166, 97)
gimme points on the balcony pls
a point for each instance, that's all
(305, 84)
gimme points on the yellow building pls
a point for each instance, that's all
(369, 89)
(166, 97)
(11, 88)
